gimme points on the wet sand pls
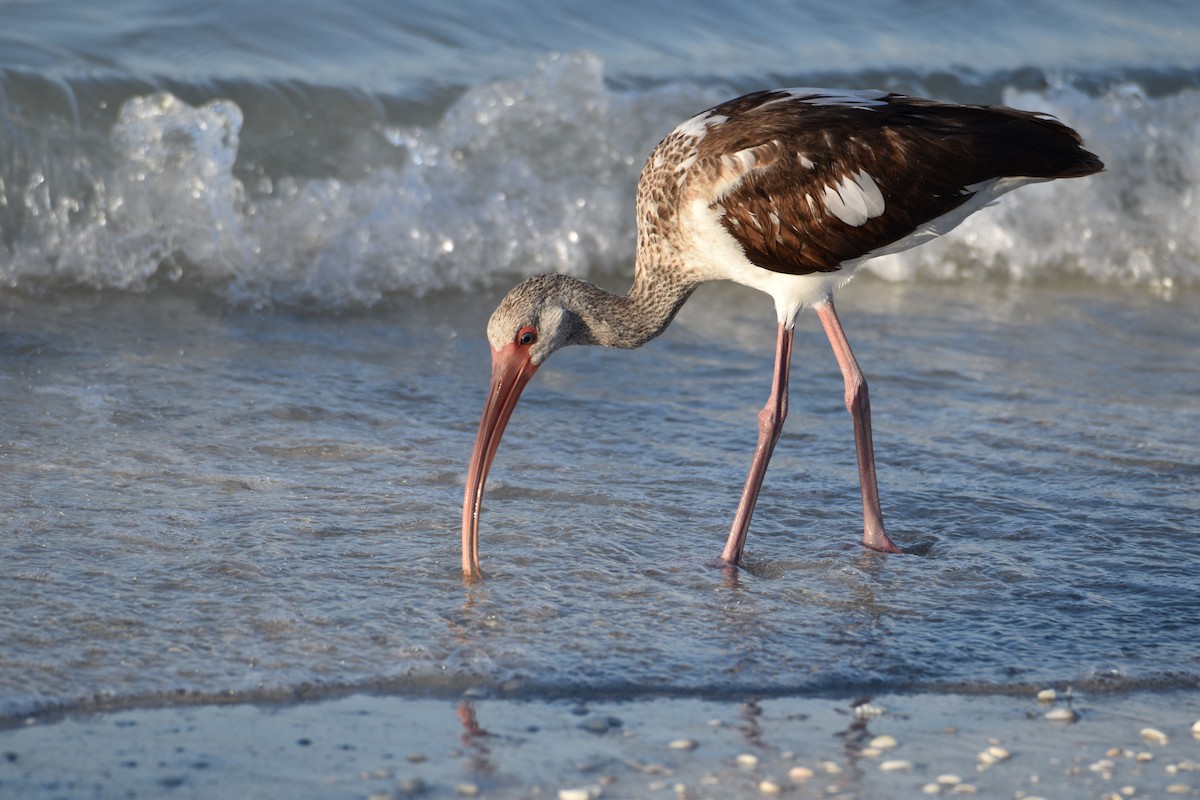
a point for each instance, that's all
(367, 746)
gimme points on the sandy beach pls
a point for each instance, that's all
(1140, 745)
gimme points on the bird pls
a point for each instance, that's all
(787, 191)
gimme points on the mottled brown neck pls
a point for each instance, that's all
(625, 321)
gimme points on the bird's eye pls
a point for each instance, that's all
(527, 336)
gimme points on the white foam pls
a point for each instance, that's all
(539, 175)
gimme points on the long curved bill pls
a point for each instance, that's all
(511, 370)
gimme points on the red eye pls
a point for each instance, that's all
(527, 336)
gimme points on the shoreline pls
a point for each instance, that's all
(893, 745)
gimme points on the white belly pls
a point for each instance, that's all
(715, 255)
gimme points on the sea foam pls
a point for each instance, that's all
(523, 176)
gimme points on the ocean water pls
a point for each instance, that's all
(247, 255)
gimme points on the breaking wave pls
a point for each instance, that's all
(292, 195)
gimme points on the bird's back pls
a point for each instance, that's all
(808, 180)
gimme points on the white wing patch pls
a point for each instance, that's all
(855, 98)
(741, 161)
(855, 199)
(698, 126)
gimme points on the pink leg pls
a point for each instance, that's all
(770, 425)
(858, 404)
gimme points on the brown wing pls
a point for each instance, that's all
(808, 182)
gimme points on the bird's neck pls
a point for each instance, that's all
(629, 320)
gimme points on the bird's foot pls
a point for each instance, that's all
(880, 542)
(922, 548)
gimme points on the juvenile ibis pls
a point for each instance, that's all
(788, 192)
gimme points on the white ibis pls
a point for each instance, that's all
(788, 192)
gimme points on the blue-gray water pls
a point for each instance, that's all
(248, 254)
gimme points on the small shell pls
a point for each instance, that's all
(581, 793)
(1062, 715)
(747, 760)
(993, 755)
(884, 742)
(799, 774)
(896, 765)
(1047, 696)
(1154, 736)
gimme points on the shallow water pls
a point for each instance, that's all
(247, 256)
(218, 501)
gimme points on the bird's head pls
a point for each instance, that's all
(530, 323)
(533, 319)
